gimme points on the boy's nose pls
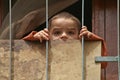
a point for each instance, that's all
(64, 36)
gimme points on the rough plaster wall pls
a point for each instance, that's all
(28, 60)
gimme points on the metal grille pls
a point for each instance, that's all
(97, 59)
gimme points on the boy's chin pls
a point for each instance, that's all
(65, 40)
(57, 42)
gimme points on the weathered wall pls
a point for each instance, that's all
(28, 60)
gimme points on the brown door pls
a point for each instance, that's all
(104, 22)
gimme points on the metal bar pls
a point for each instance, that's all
(107, 59)
(118, 39)
(83, 56)
(10, 38)
(47, 64)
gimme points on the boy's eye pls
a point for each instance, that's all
(71, 32)
(56, 33)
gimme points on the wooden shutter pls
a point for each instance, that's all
(104, 22)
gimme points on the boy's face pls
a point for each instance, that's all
(63, 29)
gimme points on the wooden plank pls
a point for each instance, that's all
(111, 32)
(98, 17)
(64, 60)
(105, 25)
(98, 20)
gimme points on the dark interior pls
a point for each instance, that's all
(76, 10)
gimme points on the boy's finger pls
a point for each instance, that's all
(83, 34)
(84, 27)
(44, 33)
(83, 30)
(46, 30)
(40, 40)
(45, 37)
(87, 34)
(38, 36)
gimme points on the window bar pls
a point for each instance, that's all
(47, 64)
(118, 39)
(83, 55)
(10, 42)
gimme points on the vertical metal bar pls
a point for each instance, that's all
(83, 56)
(10, 42)
(118, 39)
(47, 64)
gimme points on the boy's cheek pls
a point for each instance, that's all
(58, 38)
(54, 38)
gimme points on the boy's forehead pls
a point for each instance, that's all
(54, 28)
(68, 27)
(63, 21)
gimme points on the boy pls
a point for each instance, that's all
(64, 26)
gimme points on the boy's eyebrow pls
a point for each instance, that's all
(70, 28)
(57, 28)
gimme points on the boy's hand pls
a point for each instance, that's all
(42, 35)
(84, 32)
